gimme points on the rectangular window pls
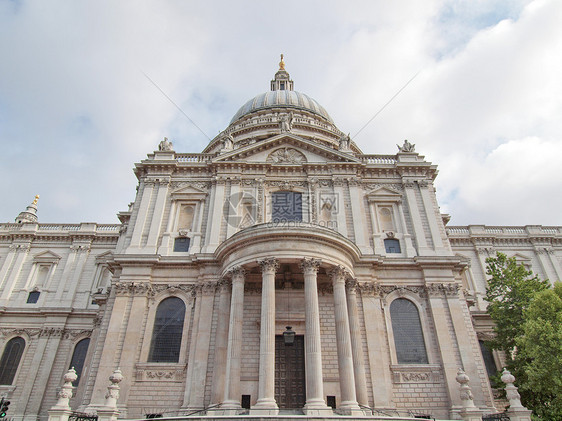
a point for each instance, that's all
(392, 246)
(181, 244)
(286, 206)
(33, 297)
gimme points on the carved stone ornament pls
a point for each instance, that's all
(369, 288)
(440, 289)
(413, 374)
(489, 251)
(168, 373)
(183, 232)
(132, 288)
(286, 156)
(402, 291)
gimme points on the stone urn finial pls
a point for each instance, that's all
(466, 394)
(113, 389)
(66, 390)
(511, 390)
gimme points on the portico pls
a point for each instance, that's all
(296, 273)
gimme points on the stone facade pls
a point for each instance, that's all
(281, 221)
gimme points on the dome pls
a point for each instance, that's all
(284, 99)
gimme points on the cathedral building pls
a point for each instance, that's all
(280, 270)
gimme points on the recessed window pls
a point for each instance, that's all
(407, 331)
(79, 357)
(489, 362)
(282, 86)
(11, 359)
(33, 297)
(391, 245)
(181, 244)
(286, 206)
(167, 331)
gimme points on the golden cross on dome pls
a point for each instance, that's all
(281, 63)
(36, 199)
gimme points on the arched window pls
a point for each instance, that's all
(167, 331)
(11, 359)
(286, 206)
(408, 334)
(79, 357)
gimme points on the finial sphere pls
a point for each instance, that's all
(281, 63)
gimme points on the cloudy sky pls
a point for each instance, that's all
(77, 111)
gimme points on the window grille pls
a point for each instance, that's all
(408, 334)
(167, 331)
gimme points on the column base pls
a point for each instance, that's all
(265, 410)
(350, 408)
(317, 407)
(229, 408)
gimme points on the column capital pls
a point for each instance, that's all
(338, 274)
(237, 273)
(224, 284)
(270, 264)
(310, 265)
(351, 285)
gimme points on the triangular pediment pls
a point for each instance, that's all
(286, 149)
(188, 192)
(104, 257)
(47, 257)
(384, 194)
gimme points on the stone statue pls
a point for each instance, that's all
(286, 123)
(165, 145)
(407, 147)
(228, 143)
(345, 141)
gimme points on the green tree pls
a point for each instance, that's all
(510, 290)
(539, 354)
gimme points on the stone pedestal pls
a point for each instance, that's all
(516, 411)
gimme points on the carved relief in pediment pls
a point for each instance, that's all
(286, 156)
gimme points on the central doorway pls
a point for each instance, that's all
(290, 389)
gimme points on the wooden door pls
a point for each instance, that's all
(290, 389)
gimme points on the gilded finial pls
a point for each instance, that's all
(36, 199)
(281, 63)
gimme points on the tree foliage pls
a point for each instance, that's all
(539, 354)
(510, 290)
(528, 328)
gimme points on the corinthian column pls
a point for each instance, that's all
(315, 404)
(356, 344)
(343, 338)
(231, 401)
(266, 404)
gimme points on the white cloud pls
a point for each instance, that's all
(76, 111)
